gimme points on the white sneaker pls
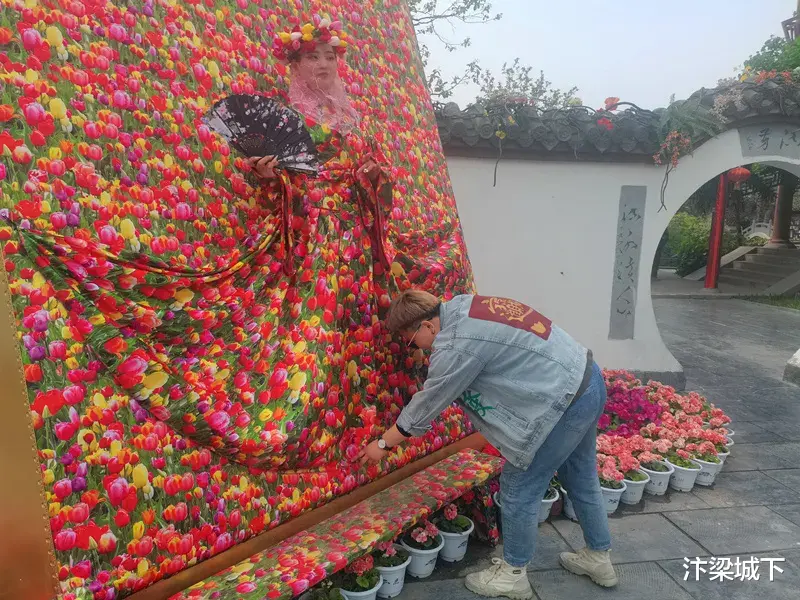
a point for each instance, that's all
(501, 579)
(596, 564)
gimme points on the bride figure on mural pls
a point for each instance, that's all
(333, 248)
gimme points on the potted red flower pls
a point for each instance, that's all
(360, 579)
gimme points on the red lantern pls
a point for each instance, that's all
(738, 175)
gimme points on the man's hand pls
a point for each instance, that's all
(371, 170)
(371, 453)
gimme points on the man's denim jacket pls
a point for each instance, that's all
(514, 372)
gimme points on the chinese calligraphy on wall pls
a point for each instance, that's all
(770, 140)
(630, 230)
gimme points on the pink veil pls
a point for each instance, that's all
(330, 107)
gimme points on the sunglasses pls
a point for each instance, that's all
(411, 343)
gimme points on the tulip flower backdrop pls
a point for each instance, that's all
(186, 393)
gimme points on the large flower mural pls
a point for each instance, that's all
(188, 390)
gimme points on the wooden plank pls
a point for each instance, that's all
(188, 577)
(27, 560)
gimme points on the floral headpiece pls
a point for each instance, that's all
(289, 45)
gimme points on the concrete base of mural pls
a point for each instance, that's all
(792, 371)
(676, 379)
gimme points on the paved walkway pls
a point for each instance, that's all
(669, 285)
(734, 353)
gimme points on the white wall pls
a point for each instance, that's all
(546, 236)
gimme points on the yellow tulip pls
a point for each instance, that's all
(54, 36)
(127, 229)
(49, 477)
(138, 530)
(155, 380)
(58, 109)
(140, 476)
(297, 381)
(184, 295)
(55, 153)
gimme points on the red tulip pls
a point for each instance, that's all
(38, 139)
(21, 155)
(65, 540)
(33, 373)
(82, 569)
(31, 39)
(62, 488)
(57, 167)
(117, 491)
(107, 543)
(79, 513)
(122, 518)
(33, 113)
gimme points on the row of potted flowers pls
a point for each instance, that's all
(381, 574)
(652, 438)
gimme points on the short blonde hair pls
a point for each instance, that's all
(411, 308)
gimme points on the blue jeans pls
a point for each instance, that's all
(570, 449)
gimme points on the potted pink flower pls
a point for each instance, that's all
(423, 544)
(360, 579)
(705, 454)
(611, 481)
(686, 470)
(391, 560)
(455, 530)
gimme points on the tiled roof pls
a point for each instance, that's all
(576, 133)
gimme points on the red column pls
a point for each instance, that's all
(715, 239)
(781, 222)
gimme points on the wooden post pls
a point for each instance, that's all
(715, 239)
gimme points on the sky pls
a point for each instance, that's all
(641, 51)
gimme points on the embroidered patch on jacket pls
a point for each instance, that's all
(473, 401)
(510, 312)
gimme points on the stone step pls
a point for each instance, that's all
(754, 276)
(742, 281)
(772, 259)
(791, 252)
(779, 270)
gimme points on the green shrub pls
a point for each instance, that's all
(688, 242)
(756, 240)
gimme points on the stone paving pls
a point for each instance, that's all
(734, 353)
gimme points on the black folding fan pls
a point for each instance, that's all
(260, 126)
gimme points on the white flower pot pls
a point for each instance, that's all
(634, 490)
(708, 472)
(612, 497)
(393, 578)
(729, 442)
(547, 506)
(722, 456)
(455, 544)
(367, 595)
(683, 479)
(730, 433)
(569, 510)
(659, 481)
(423, 562)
